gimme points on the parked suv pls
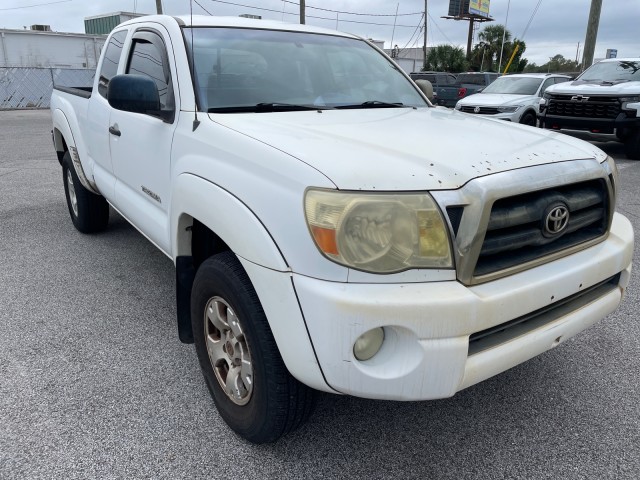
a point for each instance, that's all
(514, 98)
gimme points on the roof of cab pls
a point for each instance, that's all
(235, 22)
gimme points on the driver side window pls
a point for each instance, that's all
(148, 57)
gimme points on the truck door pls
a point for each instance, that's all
(98, 117)
(141, 144)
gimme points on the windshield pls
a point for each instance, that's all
(237, 69)
(514, 85)
(622, 70)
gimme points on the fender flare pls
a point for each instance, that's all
(62, 134)
(213, 206)
(61, 131)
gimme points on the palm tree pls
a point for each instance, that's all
(446, 58)
(492, 37)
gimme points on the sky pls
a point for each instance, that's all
(558, 26)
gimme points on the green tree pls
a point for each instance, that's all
(556, 64)
(491, 36)
(446, 58)
(516, 65)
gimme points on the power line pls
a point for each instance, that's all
(308, 16)
(36, 5)
(535, 10)
(198, 3)
(438, 27)
(355, 13)
(417, 30)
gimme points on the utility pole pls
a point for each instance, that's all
(302, 8)
(504, 33)
(592, 33)
(159, 7)
(470, 38)
(424, 48)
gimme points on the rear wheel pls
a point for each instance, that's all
(632, 145)
(254, 392)
(89, 212)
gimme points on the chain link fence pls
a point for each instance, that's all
(30, 87)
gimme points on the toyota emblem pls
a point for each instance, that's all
(556, 220)
(476, 109)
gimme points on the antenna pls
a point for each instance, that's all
(196, 122)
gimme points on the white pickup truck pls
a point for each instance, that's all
(603, 103)
(331, 229)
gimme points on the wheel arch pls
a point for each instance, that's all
(529, 110)
(62, 135)
(206, 220)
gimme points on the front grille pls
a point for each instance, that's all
(494, 336)
(516, 232)
(482, 110)
(594, 107)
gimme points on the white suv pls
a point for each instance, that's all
(514, 98)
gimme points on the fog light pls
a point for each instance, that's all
(368, 344)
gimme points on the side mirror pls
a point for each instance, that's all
(134, 93)
(426, 88)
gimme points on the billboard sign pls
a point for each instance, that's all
(479, 7)
(458, 8)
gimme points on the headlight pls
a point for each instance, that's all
(542, 105)
(458, 106)
(378, 233)
(509, 109)
(627, 100)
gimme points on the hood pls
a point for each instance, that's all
(404, 149)
(595, 88)
(498, 99)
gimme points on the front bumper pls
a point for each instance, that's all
(427, 326)
(604, 126)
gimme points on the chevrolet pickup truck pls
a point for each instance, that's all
(603, 103)
(330, 232)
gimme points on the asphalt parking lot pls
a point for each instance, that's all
(95, 384)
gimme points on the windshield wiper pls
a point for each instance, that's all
(374, 104)
(266, 107)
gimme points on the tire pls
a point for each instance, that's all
(632, 145)
(529, 118)
(89, 212)
(232, 337)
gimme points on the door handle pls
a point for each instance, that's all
(114, 130)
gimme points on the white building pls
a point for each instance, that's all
(409, 59)
(46, 49)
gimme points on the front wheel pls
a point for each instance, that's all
(254, 392)
(632, 145)
(528, 118)
(89, 212)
